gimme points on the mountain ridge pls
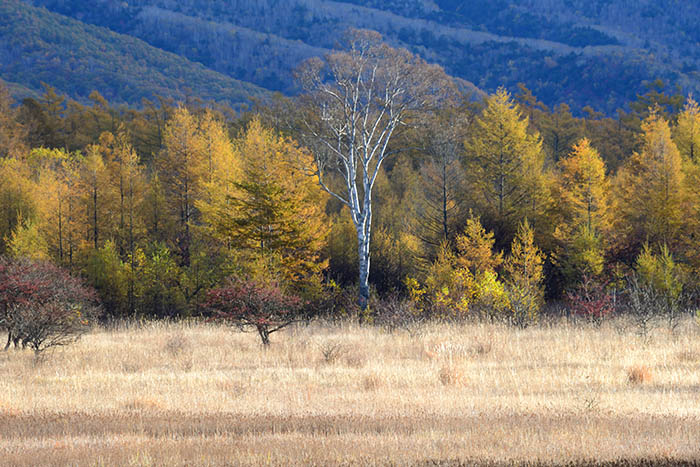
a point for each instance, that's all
(77, 58)
(582, 54)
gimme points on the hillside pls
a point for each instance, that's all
(76, 58)
(597, 53)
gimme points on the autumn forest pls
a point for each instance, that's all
(494, 208)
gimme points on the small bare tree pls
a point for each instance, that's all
(355, 102)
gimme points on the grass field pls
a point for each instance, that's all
(178, 394)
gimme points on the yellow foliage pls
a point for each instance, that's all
(17, 198)
(505, 161)
(650, 190)
(584, 189)
(660, 271)
(524, 277)
(490, 293)
(687, 131)
(475, 248)
(27, 242)
(266, 204)
(447, 290)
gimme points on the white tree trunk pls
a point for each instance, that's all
(364, 234)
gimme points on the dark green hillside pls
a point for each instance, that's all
(599, 53)
(39, 46)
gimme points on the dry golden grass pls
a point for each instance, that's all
(179, 394)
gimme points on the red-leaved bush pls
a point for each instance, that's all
(42, 305)
(592, 300)
(252, 305)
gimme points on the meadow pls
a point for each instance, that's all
(204, 394)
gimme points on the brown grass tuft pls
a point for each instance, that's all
(444, 349)
(177, 345)
(451, 375)
(482, 348)
(639, 374)
(688, 356)
(355, 359)
(372, 382)
(144, 404)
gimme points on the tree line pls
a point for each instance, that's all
(494, 207)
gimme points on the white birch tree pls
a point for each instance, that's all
(356, 101)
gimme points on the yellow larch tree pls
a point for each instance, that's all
(182, 166)
(524, 277)
(476, 249)
(94, 191)
(650, 192)
(16, 198)
(223, 172)
(504, 163)
(687, 137)
(61, 212)
(274, 213)
(584, 204)
(687, 131)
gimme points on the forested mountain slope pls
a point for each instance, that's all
(37, 46)
(596, 53)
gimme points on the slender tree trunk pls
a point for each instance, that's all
(444, 200)
(132, 304)
(94, 214)
(60, 230)
(121, 207)
(363, 248)
(364, 231)
(70, 235)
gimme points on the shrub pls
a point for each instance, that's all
(490, 298)
(447, 290)
(642, 302)
(249, 304)
(394, 312)
(331, 352)
(42, 305)
(665, 277)
(334, 304)
(591, 300)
